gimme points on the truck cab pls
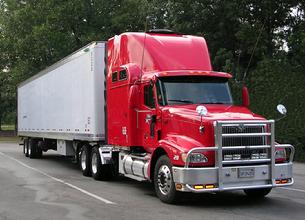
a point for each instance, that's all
(178, 120)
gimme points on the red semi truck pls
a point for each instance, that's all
(149, 106)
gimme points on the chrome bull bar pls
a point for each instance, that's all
(274, 171)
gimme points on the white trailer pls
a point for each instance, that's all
(66, 101)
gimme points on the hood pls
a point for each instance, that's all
(215, 112)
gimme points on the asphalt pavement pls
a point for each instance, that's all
(54, 188)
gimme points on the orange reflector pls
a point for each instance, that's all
(198, 187)
(209, 186)
(284, 181)
(178, 186)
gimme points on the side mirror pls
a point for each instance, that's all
(281, 109)
(202, 110)
(245, 97)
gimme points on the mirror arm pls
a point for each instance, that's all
(278, 119)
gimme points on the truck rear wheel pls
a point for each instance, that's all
(32, 148)
(99, 171)
(39, 148)
(85, 160)
(257, 193)
(163, 181)
(26, 147)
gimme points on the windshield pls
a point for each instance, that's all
(193, 90)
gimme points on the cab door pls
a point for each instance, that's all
(147, 118)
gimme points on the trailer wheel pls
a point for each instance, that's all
(99, 171)
(32, 148)
(26, 147)
(163, 181)
(39, 149)
(85, 160)
(257, 193)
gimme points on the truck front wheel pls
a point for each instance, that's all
(85, 160)
(257, 193)
(163, 181)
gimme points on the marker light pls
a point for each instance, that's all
(228, 157)
(198, 187)
(254, 156)
(263, 156)
(236, 156)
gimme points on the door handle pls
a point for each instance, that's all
(150, 118)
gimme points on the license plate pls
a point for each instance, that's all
(246, 172)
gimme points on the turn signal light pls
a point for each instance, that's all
(198, 187)
(207, 186)
(210, 186)
(178, 186)
(283, 181)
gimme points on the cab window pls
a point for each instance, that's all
(149, 96)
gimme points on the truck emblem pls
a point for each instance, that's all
(241, 128)
(176, 157)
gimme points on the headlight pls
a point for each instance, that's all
(198, 158)
(195, 158)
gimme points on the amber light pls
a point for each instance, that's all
(178, 186)
(207, 186)
(198, 186)
(283, 181)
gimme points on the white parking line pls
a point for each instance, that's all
(60, 180)
(293, 189)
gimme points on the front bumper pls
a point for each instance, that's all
(238, 174)
(190, 178)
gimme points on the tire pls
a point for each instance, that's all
(257, 193)
(39, 149)
(32, 149)
(98, 170)
(26, 147)
(85, 160)
(163, 181)
(76, 158)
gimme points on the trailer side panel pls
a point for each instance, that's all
(66, 101)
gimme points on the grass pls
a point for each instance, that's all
(7, 127)
(10, 139)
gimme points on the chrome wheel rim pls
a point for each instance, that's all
(94, 163)
(29, 150)
(83, 160)
(164, 179)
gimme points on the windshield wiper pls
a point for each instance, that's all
(180, 100)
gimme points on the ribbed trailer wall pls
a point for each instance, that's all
(66, 101)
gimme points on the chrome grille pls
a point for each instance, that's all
(243, 141)
(252, 145)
